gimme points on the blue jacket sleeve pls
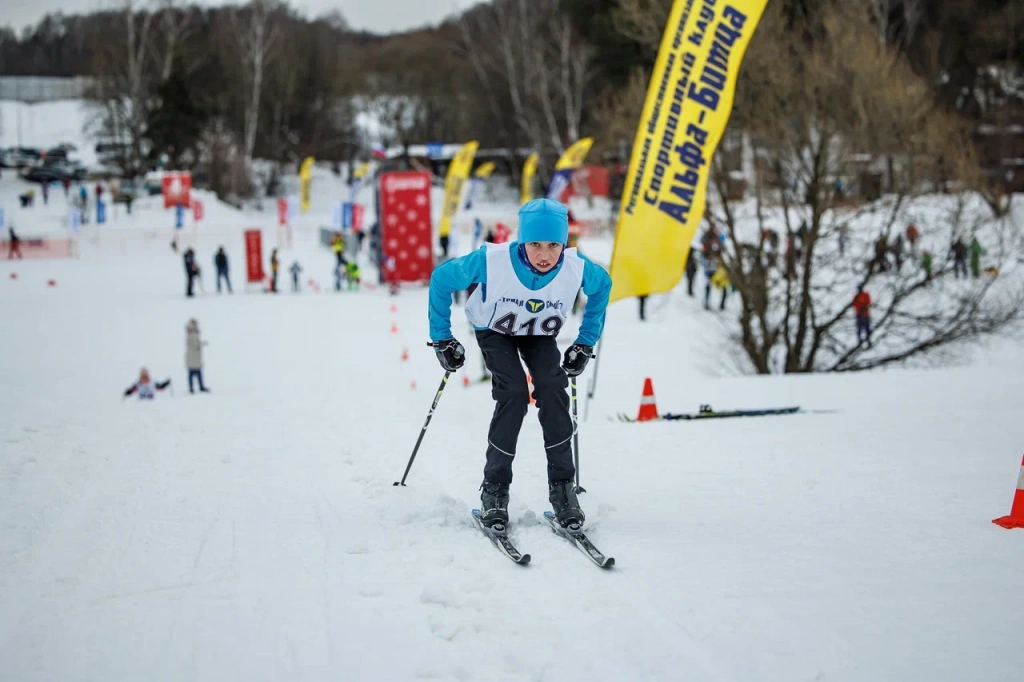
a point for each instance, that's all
(597, 285)
(455, 275)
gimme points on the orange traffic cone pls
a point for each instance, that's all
(14, 275)
(1016, 517)
(394, 328)
(405, 354)
(412, 385)
(529, 389)
(394, 308)
(51, 283)
(648, 408)
(465, 380)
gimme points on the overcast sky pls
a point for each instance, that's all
(380, 16)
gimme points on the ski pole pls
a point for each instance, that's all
(419, 440)
(576, 437)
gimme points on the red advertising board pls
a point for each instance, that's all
(254, 255)
(405, 224)
(357, 217)
(197, 210)
(176, 188)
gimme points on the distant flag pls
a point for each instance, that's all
(379, 152)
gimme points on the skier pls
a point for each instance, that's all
(191, 271)
(721, 281)
(926, 264)
(194, 356)
(913, 234)
(296, 270)
(353, 275)
(710, 268)
(145, 386)
(862, 309)
(521, 292)
(220, 262)
(338, 246)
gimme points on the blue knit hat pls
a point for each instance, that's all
(543, 220)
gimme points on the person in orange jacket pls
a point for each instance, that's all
(862, 309)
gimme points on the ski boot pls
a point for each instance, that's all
(494, 504)
(562, 495)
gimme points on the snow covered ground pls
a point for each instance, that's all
(254, 533)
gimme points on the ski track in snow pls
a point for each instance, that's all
(255, 534)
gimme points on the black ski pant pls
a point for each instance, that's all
(510, 392)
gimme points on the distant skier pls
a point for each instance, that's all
(14, 245)
(862, 310)
(353, 275)
(529, 285)
(296, 270)
(194, 356)
(721, 282)
(338, 246)
(191, 271)
(913, 234)
(926, 265)
(710, 268)
(145, 386)
(220, 262)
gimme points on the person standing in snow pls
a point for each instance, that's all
(220, 262)
(191, 271)
(710, 268)
(958, 251)
(145, 386)
(926, 264)
(862, 309)
(721, 281)
(520, 296)
(691, 271)
(14, 245)
(976, 253)
(194, 356)
(913, 234)
(296, 270)
(275, 264)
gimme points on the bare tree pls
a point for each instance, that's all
(123, 84)
(176, 26)
(820, 117)
(256, 36)
(528, 52)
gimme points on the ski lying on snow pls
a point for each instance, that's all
(498, 535)
(580, 541)
(623, 417)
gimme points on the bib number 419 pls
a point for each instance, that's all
(509, 324)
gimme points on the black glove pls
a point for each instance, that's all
(450, 353)
(576, 358)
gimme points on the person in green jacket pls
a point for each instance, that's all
(976, 253)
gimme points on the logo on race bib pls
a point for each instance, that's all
(535, 305)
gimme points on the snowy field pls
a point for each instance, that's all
(254, 533)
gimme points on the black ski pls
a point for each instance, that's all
(498, 535)
(580, 541)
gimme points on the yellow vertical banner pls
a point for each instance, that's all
(571, 159)
(305, 180)
(685, 113)
(529, 173)
(458, 173)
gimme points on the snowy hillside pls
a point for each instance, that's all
(254, 533)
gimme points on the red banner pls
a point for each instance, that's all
(282, 211)
(405, 224)
(197, 210)
(254, 255)
(176, 187)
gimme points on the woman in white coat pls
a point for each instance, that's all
(194, 356)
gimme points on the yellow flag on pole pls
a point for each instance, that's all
(570, 160)
(305, 180)
(484, 170)
(458, 173)
(529, 173)
(687, 107)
